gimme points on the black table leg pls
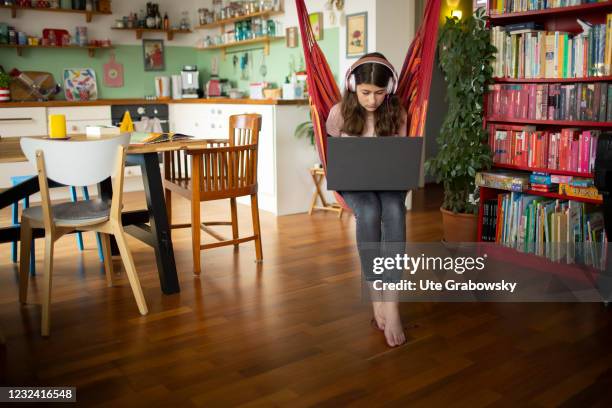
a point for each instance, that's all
(106, 194)
(158, 218)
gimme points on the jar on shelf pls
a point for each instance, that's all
(256, 27)
(66, 4)
(217, 9)
(271, 28)
(78, 4)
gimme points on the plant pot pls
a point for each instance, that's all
(459, 227)
(5, 94)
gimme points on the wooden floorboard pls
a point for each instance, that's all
(292, 331)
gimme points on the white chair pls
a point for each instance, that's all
(76, 163)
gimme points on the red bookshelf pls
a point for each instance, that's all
(563, 123)
(543, 170)
(551, 80)
(554, 19)
(571, 12)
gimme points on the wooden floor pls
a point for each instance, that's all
(292, 331)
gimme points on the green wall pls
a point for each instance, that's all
(277, 62)
(138, 83)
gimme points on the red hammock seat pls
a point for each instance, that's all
(414, 78)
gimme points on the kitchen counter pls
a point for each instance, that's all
(285, 186)
(104, 102)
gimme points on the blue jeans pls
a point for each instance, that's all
(381, 219)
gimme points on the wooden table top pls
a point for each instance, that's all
(10, 149)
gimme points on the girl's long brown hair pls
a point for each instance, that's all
(388, 116)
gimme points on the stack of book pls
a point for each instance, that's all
(503, 180)
(570, 149)
(574, 102)
(561, 230)
(525, 50)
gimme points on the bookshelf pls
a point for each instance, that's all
(561, 19)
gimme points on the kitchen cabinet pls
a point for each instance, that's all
(285, 186)
(283, 161)
(15, 122)
(77, 118)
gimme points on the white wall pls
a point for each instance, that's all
(390, 29)
(351, 7)
(394, 29)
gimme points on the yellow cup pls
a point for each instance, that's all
(57, 126)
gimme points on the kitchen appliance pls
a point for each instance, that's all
(213, 87)
(156, 110)
(190, 81)
(162, 87)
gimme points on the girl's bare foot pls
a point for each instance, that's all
(394, 332)
(379, 314)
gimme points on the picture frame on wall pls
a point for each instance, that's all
(291, 37)
(316, 22)
(356, 35)
(154, 55)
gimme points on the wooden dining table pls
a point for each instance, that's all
(151, 226)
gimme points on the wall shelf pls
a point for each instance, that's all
(88, 14)
(223, 47)
(139, 31)
(221, 23)
(91, 49)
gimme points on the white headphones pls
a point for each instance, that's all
(349, 79)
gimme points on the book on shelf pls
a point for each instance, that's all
(526, 51)
(517, 6)
(566, 231)
(145, 138)
(569, 149)
(503, 180)
(591, 102)
(576, 187)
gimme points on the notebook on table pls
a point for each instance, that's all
(142, 138)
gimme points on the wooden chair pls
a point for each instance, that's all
(90, 162)
(221, 171)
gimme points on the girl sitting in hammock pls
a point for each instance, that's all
(370, 108)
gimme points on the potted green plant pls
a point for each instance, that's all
(465, 55)
(5, 92)
(305, 130)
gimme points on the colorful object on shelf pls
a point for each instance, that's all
(113, 73)
(55, 37)
(57, 126)
(510, 181)
(127, 125)
(80, 84)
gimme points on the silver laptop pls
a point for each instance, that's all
(373, 163)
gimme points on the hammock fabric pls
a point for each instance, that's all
(414, 78)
